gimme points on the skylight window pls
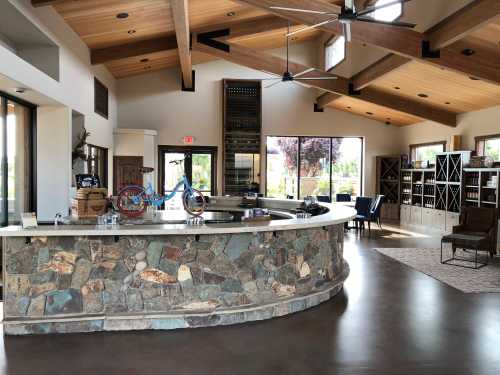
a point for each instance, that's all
(334, 52)
(389, 13)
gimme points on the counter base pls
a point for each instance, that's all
(176, 320)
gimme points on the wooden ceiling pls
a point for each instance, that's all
(432, 86)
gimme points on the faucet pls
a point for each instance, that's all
(58, 219)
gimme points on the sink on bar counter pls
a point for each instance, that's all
(85, 278)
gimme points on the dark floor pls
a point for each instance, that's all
(390, 319)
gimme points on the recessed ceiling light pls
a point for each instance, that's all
(388, 123)
(468, 52)
(447, 103)
(369, 113)
(473, 78)
(144, 60)
(231, 14)
(20, 90)
(122, 15)
(348, 107)
(397, 88)
(131, 32)
(423, 95)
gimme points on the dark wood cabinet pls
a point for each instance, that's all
(242, 126)
(126, 171)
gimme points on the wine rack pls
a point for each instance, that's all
(388, 185)
(482, 187)
(418, 187)
(241, 133)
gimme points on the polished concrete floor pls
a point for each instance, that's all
(389, 319)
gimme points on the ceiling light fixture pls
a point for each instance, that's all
(423, 95)
(473, 78)
(369, 113)
(20, 90)
(122, 16)
(131, 32)
(144, 60)
(397, 88)
(231, 14)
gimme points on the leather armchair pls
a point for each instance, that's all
(479, 221)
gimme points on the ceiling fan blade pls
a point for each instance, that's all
(304, 72)
(273, 84)
(271, 74)
(270, 79)
(388, 23)
(347, 32)
(375, 8)
(314, 78)
(301, 84)
(312, 26)
(303, 11)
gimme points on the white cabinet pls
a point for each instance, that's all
(452, 219)
(428, 217)
(416, 216)
(405, 215)
(439, 222)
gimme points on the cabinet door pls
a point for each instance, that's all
(416, 216)
(452, 219)
(439, 221)
(405, 215)
(428, 217)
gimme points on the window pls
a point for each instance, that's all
(17, 129)
(199, 166)
(489, 146)
(334, 52)
(302, 166)
(101, 99)
(389, 13)
(427, 151)
(97, 162)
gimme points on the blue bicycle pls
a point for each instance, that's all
(133, 199)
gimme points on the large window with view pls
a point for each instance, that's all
(334, 52)
(489, 146)
(426, 152)
(321, 166)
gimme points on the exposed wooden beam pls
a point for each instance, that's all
(276, 65)
(466, 20)
(403, 42)
(180, 16)
(43, 3)
(327, 98)
(377, 70)
(252, 27)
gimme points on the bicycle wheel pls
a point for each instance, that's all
(131, 202)
(194, 202)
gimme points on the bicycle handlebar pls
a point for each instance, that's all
(176, 162)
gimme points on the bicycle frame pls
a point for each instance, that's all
(150, 197)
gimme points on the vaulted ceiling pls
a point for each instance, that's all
(398, 85)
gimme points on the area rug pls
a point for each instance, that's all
(484, 280)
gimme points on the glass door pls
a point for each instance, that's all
(199, 166)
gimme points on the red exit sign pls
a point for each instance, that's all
(188, 140)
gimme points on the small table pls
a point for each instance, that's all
(465, 241)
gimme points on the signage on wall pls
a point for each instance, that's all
(188, 140)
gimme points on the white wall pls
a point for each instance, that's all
(154, 101)
(470, 125)
(53, 161)
(73, 91)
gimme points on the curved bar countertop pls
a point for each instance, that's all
(336, 214)
(87, 279)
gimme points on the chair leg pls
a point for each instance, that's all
(369, 228)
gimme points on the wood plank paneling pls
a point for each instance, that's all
(441, 87)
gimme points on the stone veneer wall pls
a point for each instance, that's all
(74, 284)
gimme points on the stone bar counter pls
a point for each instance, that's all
(86, 278)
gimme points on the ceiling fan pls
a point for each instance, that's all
(288, 76)
(349, 14)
